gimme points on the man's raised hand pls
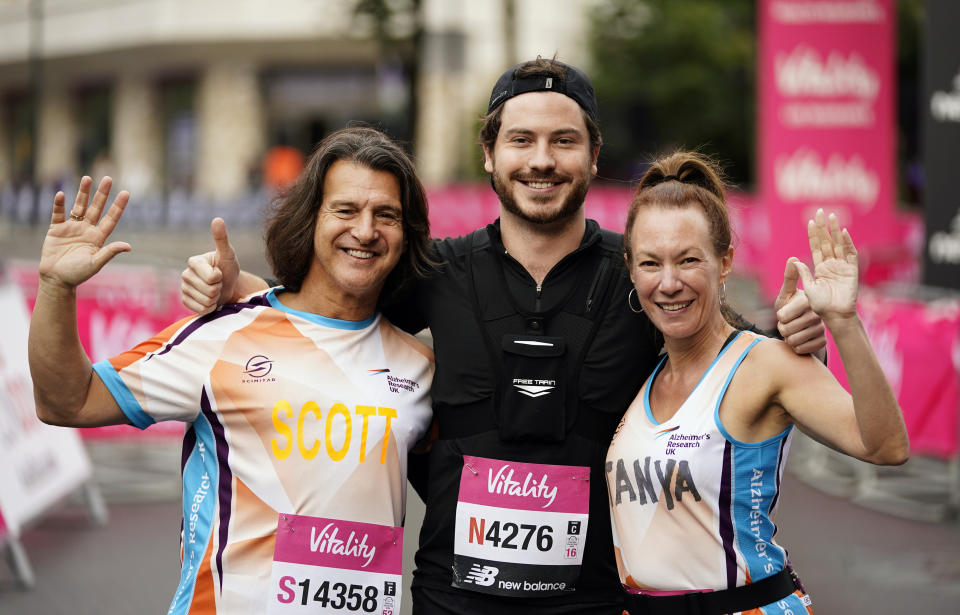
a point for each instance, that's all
(73, 249)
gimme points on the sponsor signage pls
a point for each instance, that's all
(334, 566)
(941, 113)
(39, 464)
(918, 346)
(826, 123)
(520, 527)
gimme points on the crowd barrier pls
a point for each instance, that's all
(39, 464)
(916, 335)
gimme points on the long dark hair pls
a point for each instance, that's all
(292, 218)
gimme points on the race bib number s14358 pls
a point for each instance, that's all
(328, 566)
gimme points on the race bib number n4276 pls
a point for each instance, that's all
(520, 527)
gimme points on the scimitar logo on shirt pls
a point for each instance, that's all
(533, 387)
(257, 369)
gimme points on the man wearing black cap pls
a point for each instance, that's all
(537, 357)
(542, 357)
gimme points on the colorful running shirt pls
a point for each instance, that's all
(692, 508)
(288, 414)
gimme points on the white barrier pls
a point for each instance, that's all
(39, 464)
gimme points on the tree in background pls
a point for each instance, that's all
(675, 73)
(397, 27)
(672, 73)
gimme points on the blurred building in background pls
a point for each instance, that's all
(187, 97)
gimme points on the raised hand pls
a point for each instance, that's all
(210, 278)
(74, 250)
(832, 288)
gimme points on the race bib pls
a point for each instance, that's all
(328, 566)
(520, 528)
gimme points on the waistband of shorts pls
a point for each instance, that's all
(705, 602)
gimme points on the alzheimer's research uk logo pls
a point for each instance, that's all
(532, 387)
(503, 483)
(257, 369)
(481, 575)
(327, 541)
(396, 383)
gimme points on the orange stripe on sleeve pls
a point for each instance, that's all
(145, 347)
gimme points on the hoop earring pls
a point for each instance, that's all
(630, 301)
(723, 293)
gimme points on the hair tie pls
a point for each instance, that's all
(667, 178)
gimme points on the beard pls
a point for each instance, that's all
(542, 216)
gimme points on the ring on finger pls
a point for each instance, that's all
(74, 216)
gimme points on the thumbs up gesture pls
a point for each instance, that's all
(800, 326)
(210, 279)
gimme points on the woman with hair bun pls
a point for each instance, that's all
(695, 467)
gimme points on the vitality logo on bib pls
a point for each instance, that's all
(482, 575)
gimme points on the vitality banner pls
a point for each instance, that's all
(826, 87)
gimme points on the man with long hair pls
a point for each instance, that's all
(300, 402)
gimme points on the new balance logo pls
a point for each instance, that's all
(482, 575)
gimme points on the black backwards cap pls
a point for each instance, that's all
(574, 84)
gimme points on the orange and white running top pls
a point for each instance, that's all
(286, 412)
(692, 508)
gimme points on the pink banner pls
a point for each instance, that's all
(525, 486)
(826, 123)
(918, 345)
(333, 543)
(116, 310)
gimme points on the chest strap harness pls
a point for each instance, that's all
(498, 312)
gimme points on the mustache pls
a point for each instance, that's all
(553, 178)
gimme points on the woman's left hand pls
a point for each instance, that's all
(832, 288)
